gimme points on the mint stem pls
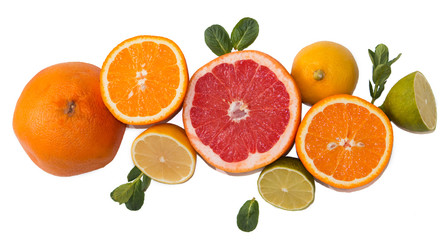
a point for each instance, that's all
(374, 94)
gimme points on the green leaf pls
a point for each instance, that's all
(218, 40)
(381, 70)
(244, 33)
(394, 60)
(381, 74)
(371, 90)
(122, 193)
(372, 56)
(247, 218)
(381, 54)
(380, 90)
(137, 199)
(146, 182)
(134, 173)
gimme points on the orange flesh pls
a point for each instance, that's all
(346, 141)
(143, 79)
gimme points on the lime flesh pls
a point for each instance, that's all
(286, 184)
(411, 105)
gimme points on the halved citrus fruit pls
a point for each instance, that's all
(286, 184)
(144, 80)
(241, 111)
(411, 105)
(345, 141)
(163, 153)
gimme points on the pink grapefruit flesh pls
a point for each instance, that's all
(241, 111)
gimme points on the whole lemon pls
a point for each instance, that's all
(323, 69)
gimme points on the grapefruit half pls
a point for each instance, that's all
(241, 111)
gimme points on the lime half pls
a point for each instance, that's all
(411, 105)
(286, 184)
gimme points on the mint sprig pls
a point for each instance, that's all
(243, 35)
(132, 193)
(381, 70)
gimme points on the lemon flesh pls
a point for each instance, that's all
(164, 154)
(286, 184)
(411, 105)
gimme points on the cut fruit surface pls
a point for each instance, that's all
(241, 111)
(411, 104)
(287, 184)
(144, 80)
(345, 141)
(163, 153)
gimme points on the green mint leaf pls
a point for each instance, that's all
(381, 70)
(380, 90)
(381, 54)
(381, 74)
(146, 182)
(394, 60)
(122, 193)
(136, 201)
(244, 33)
(372, 56)
(218, 40)
(133, 174)
(371, 90)
(247, 218)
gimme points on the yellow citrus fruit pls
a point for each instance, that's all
(324, 69)
(164, 153)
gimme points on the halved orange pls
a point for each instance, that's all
(345, 141)
(242, 111)
(144, 80)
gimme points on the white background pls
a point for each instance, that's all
(409, 199)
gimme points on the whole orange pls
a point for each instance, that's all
(62, 123)
(324, 69)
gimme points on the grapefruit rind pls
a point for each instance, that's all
(254, 160)
(175, 104)
(308, 161)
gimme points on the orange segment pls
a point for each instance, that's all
(144, 80)
(345, 141)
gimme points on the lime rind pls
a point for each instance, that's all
(294, 166)
(410, 104)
